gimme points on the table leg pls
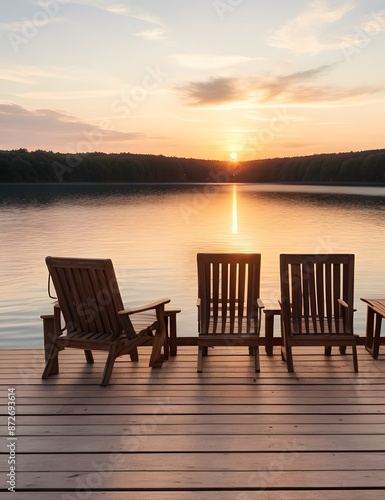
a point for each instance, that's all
(170, 319)
(269, 332)
(172, 332)
(376, 340)
(369, 330)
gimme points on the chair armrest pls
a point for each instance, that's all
(57, 329)
(198, 302)
(171, 312)
(344, 304)
(146, 307)
(260, 304)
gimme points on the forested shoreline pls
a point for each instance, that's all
(22, 166)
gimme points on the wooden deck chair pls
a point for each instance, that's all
(94, 317)
(317, 292)
(229, 307)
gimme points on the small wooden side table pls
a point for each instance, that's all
(270, 311)
(376, 310)
(170, 319)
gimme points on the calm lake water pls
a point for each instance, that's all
(153, 233)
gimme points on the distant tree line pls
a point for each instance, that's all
(46, 166)
(354, 167)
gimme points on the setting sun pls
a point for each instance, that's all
(234, 156)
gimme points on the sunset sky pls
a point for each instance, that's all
(213, 79)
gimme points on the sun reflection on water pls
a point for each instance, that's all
(235, 211)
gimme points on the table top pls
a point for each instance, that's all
(378, 305)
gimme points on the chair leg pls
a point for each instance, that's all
(134, 354)
(355, 359)
(256, 358)
(157, 358)
(200, 358)
(108, 367)
(50, 337)
(289, 359)
(52, 366)
(342, 349)
(166, 348)
(89, 357)
(328, 350)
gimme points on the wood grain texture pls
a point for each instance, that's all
(176, 434)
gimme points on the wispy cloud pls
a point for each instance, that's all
(277, 86)
(209, 61)
(371, 27)
(256, 117)
(303, 34)
(119, 9)
(63, 82)
(155, 34)
(51, 128)
(374, 24)
(298, 88)
(20, 26)
(32, 74)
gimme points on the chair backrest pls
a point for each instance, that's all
(311, 287)
(228, 289)
(88, 294)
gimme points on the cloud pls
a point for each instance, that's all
(276, 86)
(302, 88)
(36, 74)
(371, 27)
(118, 9)
(48, 129)
(63, 95)
(303, 33)
(374, 24)
(215, 91)
(31, 74)
(298, 88)
(61, 82)
(155, 34)
(209, 61)
(256, 117)
(21, 26)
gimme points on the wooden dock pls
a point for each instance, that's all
(170, 433)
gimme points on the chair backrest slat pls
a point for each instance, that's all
(224, 284)
(296, 293)
(309, 269)
(215, 297)
(87, 301)
(242, 290)
(320, 294)
(232, 296)
(62, 281)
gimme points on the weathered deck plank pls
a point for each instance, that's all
(224, 461)
(219, 480)
(227, 433)
(216, 495)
